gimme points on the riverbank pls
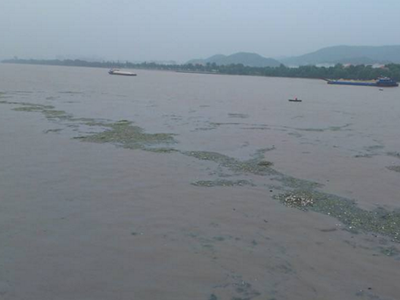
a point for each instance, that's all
(359, 72)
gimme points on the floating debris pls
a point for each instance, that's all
(347, 212)
(297, 200)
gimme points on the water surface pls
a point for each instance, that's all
(192, 216)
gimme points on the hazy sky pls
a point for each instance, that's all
(184, 29)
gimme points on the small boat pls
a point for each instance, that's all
(119, 72)
(295, 100)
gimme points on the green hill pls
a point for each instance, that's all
(348, 54)
(244, 58)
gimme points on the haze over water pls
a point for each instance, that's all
(94, 220)
(178, 30)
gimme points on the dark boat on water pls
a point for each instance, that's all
(295, 100)
(122, 73)
(381, 82)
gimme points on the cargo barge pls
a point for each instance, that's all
(381, 82)
(119, 72)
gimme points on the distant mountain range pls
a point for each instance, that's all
(247, 59)
(330, 55)
(348, 54)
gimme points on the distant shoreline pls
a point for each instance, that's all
(169, 71)
(359, 72)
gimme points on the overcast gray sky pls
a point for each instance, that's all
(184, 29)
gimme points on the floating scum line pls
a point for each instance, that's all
(297, 193)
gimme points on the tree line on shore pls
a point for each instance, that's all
(355, 72)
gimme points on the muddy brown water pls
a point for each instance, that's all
(94, 220)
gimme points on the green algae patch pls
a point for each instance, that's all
(339, 128)
(251, 166)
(332, 128)
(394, 154)
(212, 297)
(394, 168)
(227, 183)
(121, 133)
(256, 166)
(56, 114)
(211, 156)
(347, 212)
(52, 130)
(161, 150)
(311, 129)
(304, 196)
(47, 110)
(71, 92)
(389, 251)
(265, 163)
(296, 183)
(29, 108)
(4, 96)
(86, 121)
(124, 134)
(245, 291)
(237, 115)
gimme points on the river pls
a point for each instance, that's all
(179, 186)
